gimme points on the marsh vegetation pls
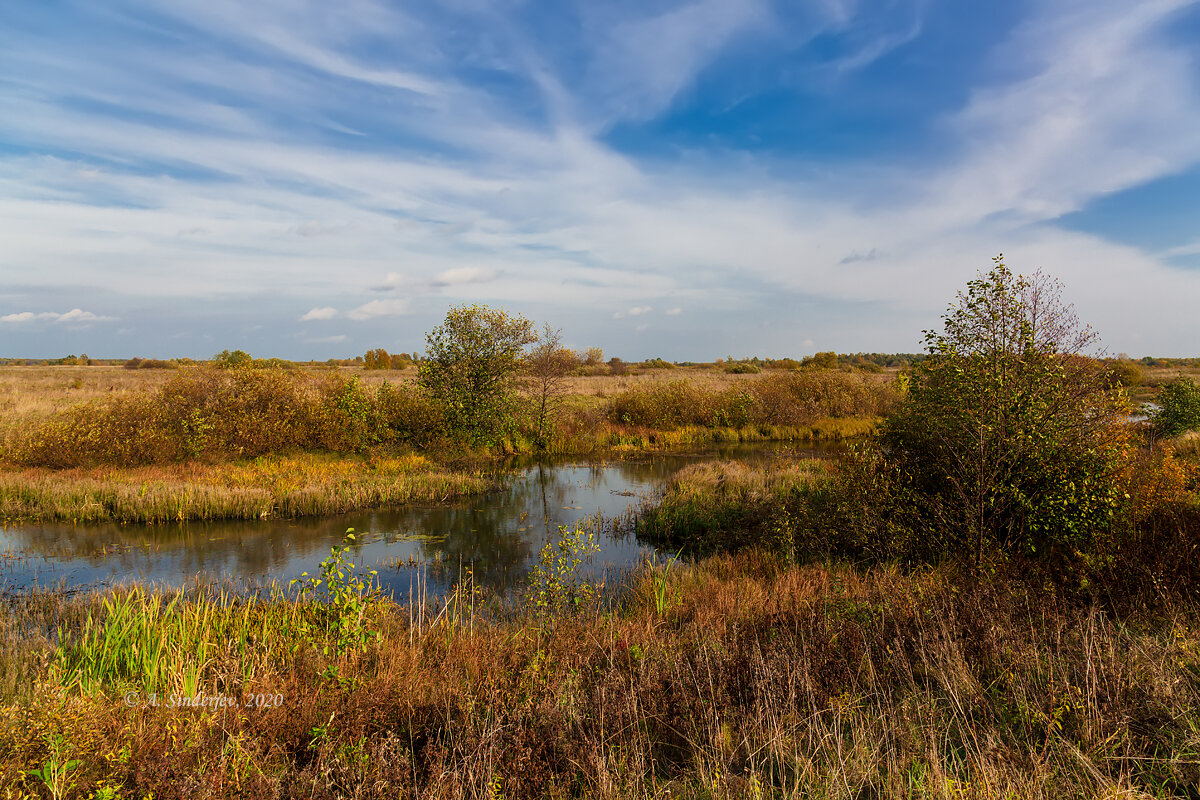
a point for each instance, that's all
(994, 595)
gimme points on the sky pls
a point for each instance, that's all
(685, 180)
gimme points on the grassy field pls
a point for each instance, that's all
(93, 443)
(39, 390)
(734, 677)
(793, 657)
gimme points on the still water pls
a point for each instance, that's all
(498, 535)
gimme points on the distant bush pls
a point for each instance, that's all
(824, 360)
(1179, 408)
(1122, 373)
(657, 363)
(788, 398)
(743, 368)
(227, 359)
(149, 363)
(377, 359)
(221, 414)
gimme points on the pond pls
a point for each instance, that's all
(497, 536)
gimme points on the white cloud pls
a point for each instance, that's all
(75, 316)
(326, 312)
(336, 338)
(674, 312)
(464, 275)
(380, 308)
(636, 311)
(22, 316)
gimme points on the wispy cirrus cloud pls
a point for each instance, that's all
(542, 158)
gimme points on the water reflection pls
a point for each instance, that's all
(498, 535)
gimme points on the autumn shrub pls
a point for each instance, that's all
(408, 415)
(800, 397)
(149, 363)
(198, 413)
(233, 412)
(346, 416)
(663, 405)
(1122, 372)
(785, 399)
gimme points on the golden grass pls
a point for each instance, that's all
(735, 677)
(269, 486)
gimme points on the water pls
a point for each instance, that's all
(498, 536)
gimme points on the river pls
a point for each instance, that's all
(498, 536)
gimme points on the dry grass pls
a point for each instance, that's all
(270, 486)
(737, 677)
(40, 391)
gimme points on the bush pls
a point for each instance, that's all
(229, 360)
(1179, 408)
(1123, 373)
(788, 399)
(149, 363)
(743, 368)
(1008, 436)
(408, 415)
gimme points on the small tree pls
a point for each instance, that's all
(230, 360)
(377, 359)
(547, 367)
(1008, 434)
(470, 368)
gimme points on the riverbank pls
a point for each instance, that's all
(736, 676)
(205, 444)
(269, 486)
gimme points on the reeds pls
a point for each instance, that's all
(270, 486)
(738, 676)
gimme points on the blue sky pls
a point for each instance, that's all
(687, 180)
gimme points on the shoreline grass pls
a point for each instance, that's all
(268, 486)
(740, 676)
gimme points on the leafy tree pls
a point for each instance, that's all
(1179, 408)
(377, 359)
(471, 366)
(824, 360)
(229, 360)
(1008, 434)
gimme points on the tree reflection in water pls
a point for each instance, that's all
(497, 536)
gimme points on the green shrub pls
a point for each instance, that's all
(743, 368)
(347, 418)
(1179, 408)
(230, 360)
(1008, 435)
